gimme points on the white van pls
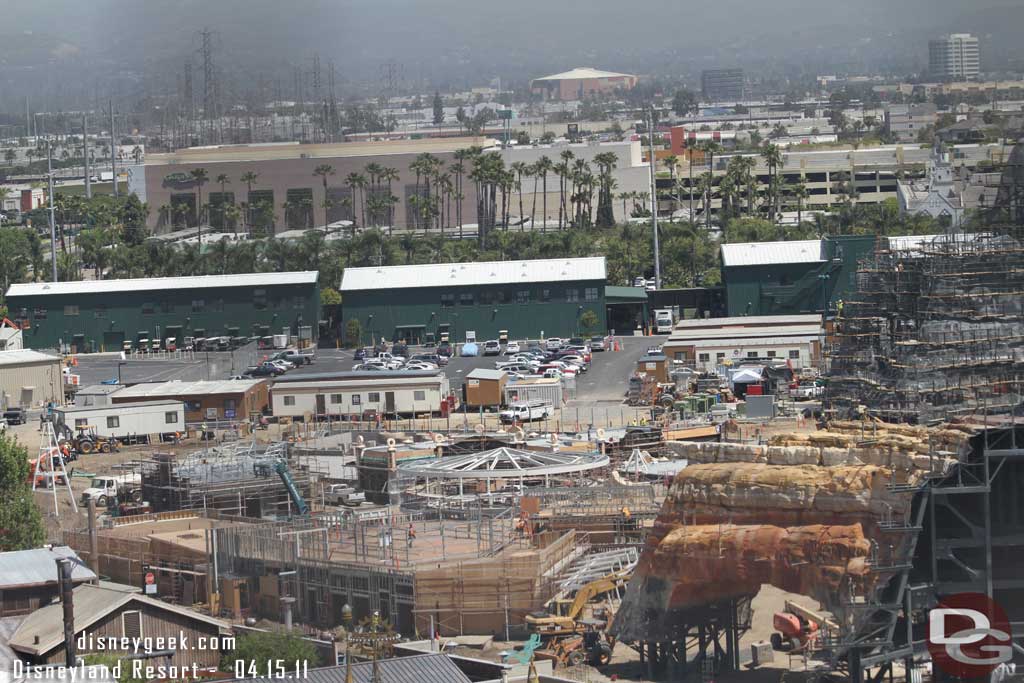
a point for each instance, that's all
(526, 411)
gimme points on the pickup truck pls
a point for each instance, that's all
(806, 391)
(104, 489)
(340, 494)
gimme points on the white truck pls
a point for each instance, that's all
(341, 494)
(104, 489)
(663, 320)
(526, 411)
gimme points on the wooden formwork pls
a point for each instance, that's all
(487, 596)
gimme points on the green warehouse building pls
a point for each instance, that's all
(99, 315)
(528, 299)
(800, 276)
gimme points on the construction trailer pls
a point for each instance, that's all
(409, 392)
(148, 420)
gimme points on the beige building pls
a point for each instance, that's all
(286, 194)
(30, 379)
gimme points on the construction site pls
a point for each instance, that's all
(644, 552)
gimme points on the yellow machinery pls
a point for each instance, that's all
(563, 615)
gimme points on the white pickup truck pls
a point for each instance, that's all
(104, 489)
(806, 391)
(526, 411)
(340, 494)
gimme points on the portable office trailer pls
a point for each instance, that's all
(485, 387)
(125, 421)
(354, 393)
(548, 389)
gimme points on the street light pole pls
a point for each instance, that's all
(654, 198)
(53, 224)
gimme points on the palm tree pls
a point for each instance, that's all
(223, 180)
(520, 168)
(355, 182)
(249, 177)
(544, 166)
(773, 157)
(624, 196)
(799, 190)
(672, 163)
(390, 175)
(231, 214)
(322, 171)
(199, 176)
(564, 170)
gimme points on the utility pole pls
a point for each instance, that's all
(654, 198)
(85, 152)
(113, 149)
(53, 222)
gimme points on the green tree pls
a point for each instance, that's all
(684, 102)
(438, 109)
(21, 525)
(258, 648)
(353, 332)
(589, 321)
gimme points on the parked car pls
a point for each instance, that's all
(263, 370)
(512, 348)
(419, 365)
(283, 364)
(384, 355)
(430, 358)
(553, 343)
(492, 347)
(526, 411)
(293, 357)
(806, 391)
(577, 341)
(341, 494)
(444, 349)
(575, 360)
(470, 349)
(360, 354)
(15, 416)
(597, 343)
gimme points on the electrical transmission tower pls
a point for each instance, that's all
(210, 88)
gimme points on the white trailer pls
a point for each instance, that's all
(124, 421)
(663, 320)
(403, 392)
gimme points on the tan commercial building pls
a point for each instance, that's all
(286, 195)
(235, 399)
(29, 379)
(581, 83)
(707, 344)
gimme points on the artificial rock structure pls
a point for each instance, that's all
(810, 515)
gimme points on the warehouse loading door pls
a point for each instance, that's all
(389, 401)
(112, 341)
(321, 404)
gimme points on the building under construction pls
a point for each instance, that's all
(245, 479)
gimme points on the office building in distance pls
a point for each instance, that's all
(722, 85)
(955, 57)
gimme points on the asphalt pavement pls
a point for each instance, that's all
(603, 384)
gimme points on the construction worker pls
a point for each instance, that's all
(412, 534)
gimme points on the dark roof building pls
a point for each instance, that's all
(426, 668)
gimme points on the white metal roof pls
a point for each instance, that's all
(713, 324)
(369, 382)
(180, 388)
(163, 283)
(476, 273)
(39, 566)
(507, 463)
(26, 356)
(771, 253)
(582, 72)
(486, 373)
(116, 406)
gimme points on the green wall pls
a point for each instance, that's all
(492, 308)
(792, 288)
(103, 321)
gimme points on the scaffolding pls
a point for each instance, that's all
(936, 331)
(230, 478)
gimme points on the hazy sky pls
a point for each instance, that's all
(139, 43)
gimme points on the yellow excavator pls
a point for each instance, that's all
(563, 615)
